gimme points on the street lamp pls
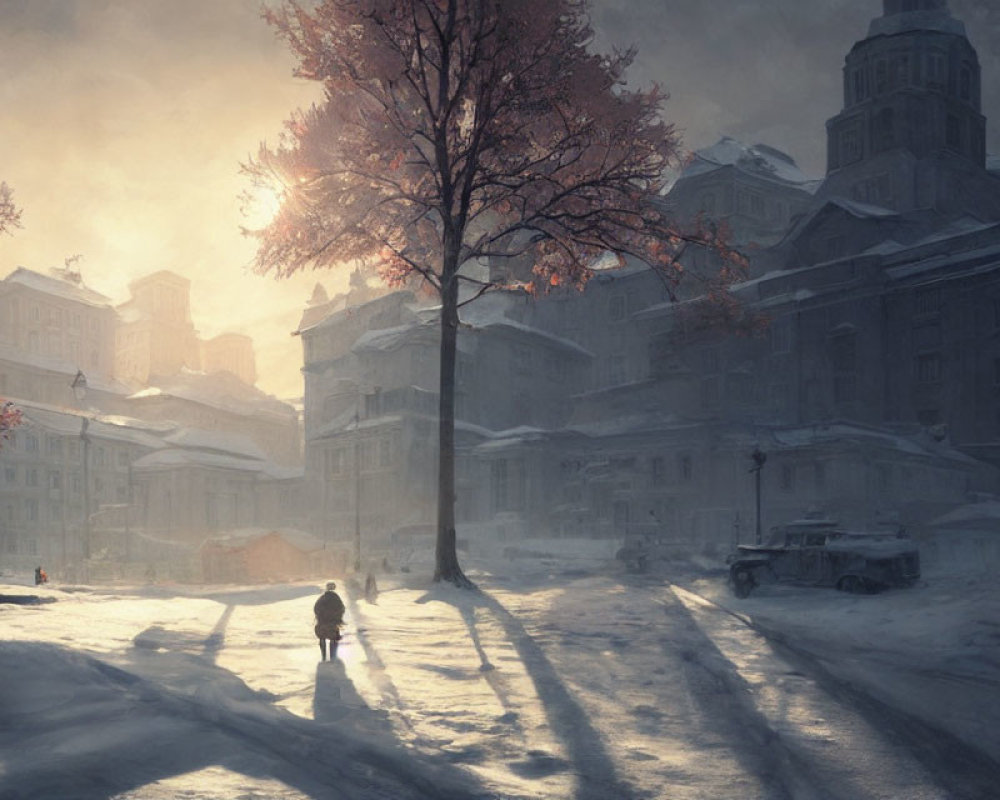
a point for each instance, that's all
(357, 485)
(758, 464)
(79, 386)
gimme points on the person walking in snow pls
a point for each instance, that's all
(371, 588)
(329, 610)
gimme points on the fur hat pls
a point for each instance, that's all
(330, 586)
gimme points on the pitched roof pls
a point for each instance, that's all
(57, 287)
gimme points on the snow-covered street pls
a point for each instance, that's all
(573, 684)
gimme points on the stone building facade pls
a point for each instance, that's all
(97, 478)
(872, 394)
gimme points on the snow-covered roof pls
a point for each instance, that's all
(78, 292)
(240, 538)
(986, 512)
(176, 457)
(220, 390)
(560, 342)
(842, 432)
(523, 434)
(18, 355)
(70, 423)
(983, 259)
(385, 339)
(492, 316)
(228, 443)
(279, 472)
(760, 160)
(859, 210)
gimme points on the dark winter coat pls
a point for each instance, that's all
(329, 611)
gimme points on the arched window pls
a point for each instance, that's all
(885, 129)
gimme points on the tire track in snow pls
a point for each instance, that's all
(930, 762)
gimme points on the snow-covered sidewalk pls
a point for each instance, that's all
(565, 685)
(931, 651)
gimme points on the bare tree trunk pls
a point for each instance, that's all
(446, 566)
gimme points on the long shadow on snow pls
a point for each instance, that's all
(726, 699)
(190, 714)
(595, 773)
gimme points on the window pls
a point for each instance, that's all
(373, 404)
(859, 85)
(334, 461)
(787, 477)
(10, 475)
(965, 82)
(31, 443)
(31, 509)
(850, 146)
(929, 368)
(658, 470)
(55, 479)
(507, 483)
(885, 135)
(616, 369)
(843, 360)
(953, 132)
(780, 334)
(881, 76)
(876, 190)
(935, 70)
(31, 477)
(928, 301)
(685, 467)
(902, 70)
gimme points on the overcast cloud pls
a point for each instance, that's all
(124, 122)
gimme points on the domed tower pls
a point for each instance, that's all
(911, 135)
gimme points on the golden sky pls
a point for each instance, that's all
(124, 126)
(124, 122)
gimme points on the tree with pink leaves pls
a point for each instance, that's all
(10, 418)
(457, 130)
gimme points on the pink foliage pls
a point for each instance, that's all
(10, 418)
(458, 129)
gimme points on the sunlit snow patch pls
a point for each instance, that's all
(213, 783)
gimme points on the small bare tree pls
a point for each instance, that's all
(10, 214)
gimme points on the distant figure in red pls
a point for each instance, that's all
(329, 611)
(40, 576)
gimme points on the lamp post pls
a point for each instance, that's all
(758, 464)
(357, 485)
(79, 386)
